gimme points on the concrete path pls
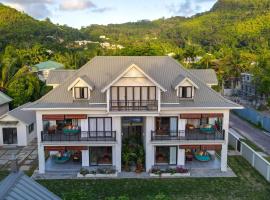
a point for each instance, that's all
(26, 156)
(257, 136)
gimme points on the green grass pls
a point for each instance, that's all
(248, 185)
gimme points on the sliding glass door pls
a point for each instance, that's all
(166, 155)
(167, 126)
(100, 126)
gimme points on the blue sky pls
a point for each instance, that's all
(77, 13)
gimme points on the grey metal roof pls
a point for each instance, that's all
(26, 116)
(4, 98)
(178, 80)
(103, 69)
(88, 81)
(208, 76)
(17, 186)
(59, 76)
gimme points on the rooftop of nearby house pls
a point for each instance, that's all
(4, 98)
(163, 70)
(206, 75)
(47, 65)
(19, 186)
(57, 77)
(25, 116)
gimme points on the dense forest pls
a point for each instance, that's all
(231, 38)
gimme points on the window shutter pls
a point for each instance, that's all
(189, 92)
(77, 93)
(85, 93)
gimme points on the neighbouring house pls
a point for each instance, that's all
(17, 127)
(248, 87)
(150, 107)
(231, 86)
(208, 76)
(18, 186)
(44, 68)
(56, 77)
(4, 103)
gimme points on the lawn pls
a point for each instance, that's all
(248, 185)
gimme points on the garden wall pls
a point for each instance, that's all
(255, 159)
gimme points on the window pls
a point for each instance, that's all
(166, 155)
(185, 92)
(100, 124)
(167, 126)
(31, 128)
(100, 155)
(81, 93)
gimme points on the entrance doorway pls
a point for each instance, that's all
(132, 144)
(10, 135)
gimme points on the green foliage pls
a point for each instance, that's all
(24, 89)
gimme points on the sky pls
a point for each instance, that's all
(78, 13)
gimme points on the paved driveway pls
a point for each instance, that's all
(255, 135)
(26, 156)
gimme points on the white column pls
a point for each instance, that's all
(149, 148)
(41, 152)
(108, 99)
(181, 157)
(85, 158)
(224, 151)
(41, 159)
(117, 149)
(158, 98)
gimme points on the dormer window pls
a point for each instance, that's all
(185, 91)
(81, 92)
(185, 87)
(81, 88)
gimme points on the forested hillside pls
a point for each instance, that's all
(228, 38)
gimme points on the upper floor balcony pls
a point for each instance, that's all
(184, 135)
(77, 136)
(133, 98)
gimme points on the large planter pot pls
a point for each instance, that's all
(169, 175)
(97, 175)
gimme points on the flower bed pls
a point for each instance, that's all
(98, 173)
(169, 172)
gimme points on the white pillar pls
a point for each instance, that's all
(116, 151)
(149, 148)
(224, 151)
(41, 152)
(41, 159)
(181, 157)
(85, 158)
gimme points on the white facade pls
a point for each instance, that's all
(165, 130)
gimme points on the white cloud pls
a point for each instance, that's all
(74, 5)
(188, 7)
(35, 8)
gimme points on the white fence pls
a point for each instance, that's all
(254, 158)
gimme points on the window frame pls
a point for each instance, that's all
(103, 118)
(180, 94)
(159, 164)
(81, 89)
(31, 128)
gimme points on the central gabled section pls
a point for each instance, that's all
(133, 90)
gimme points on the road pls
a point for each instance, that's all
(255, 135)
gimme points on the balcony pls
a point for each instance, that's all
(182, 135)
(133, 105)
(83, 136)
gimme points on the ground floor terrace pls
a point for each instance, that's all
(133, 144)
